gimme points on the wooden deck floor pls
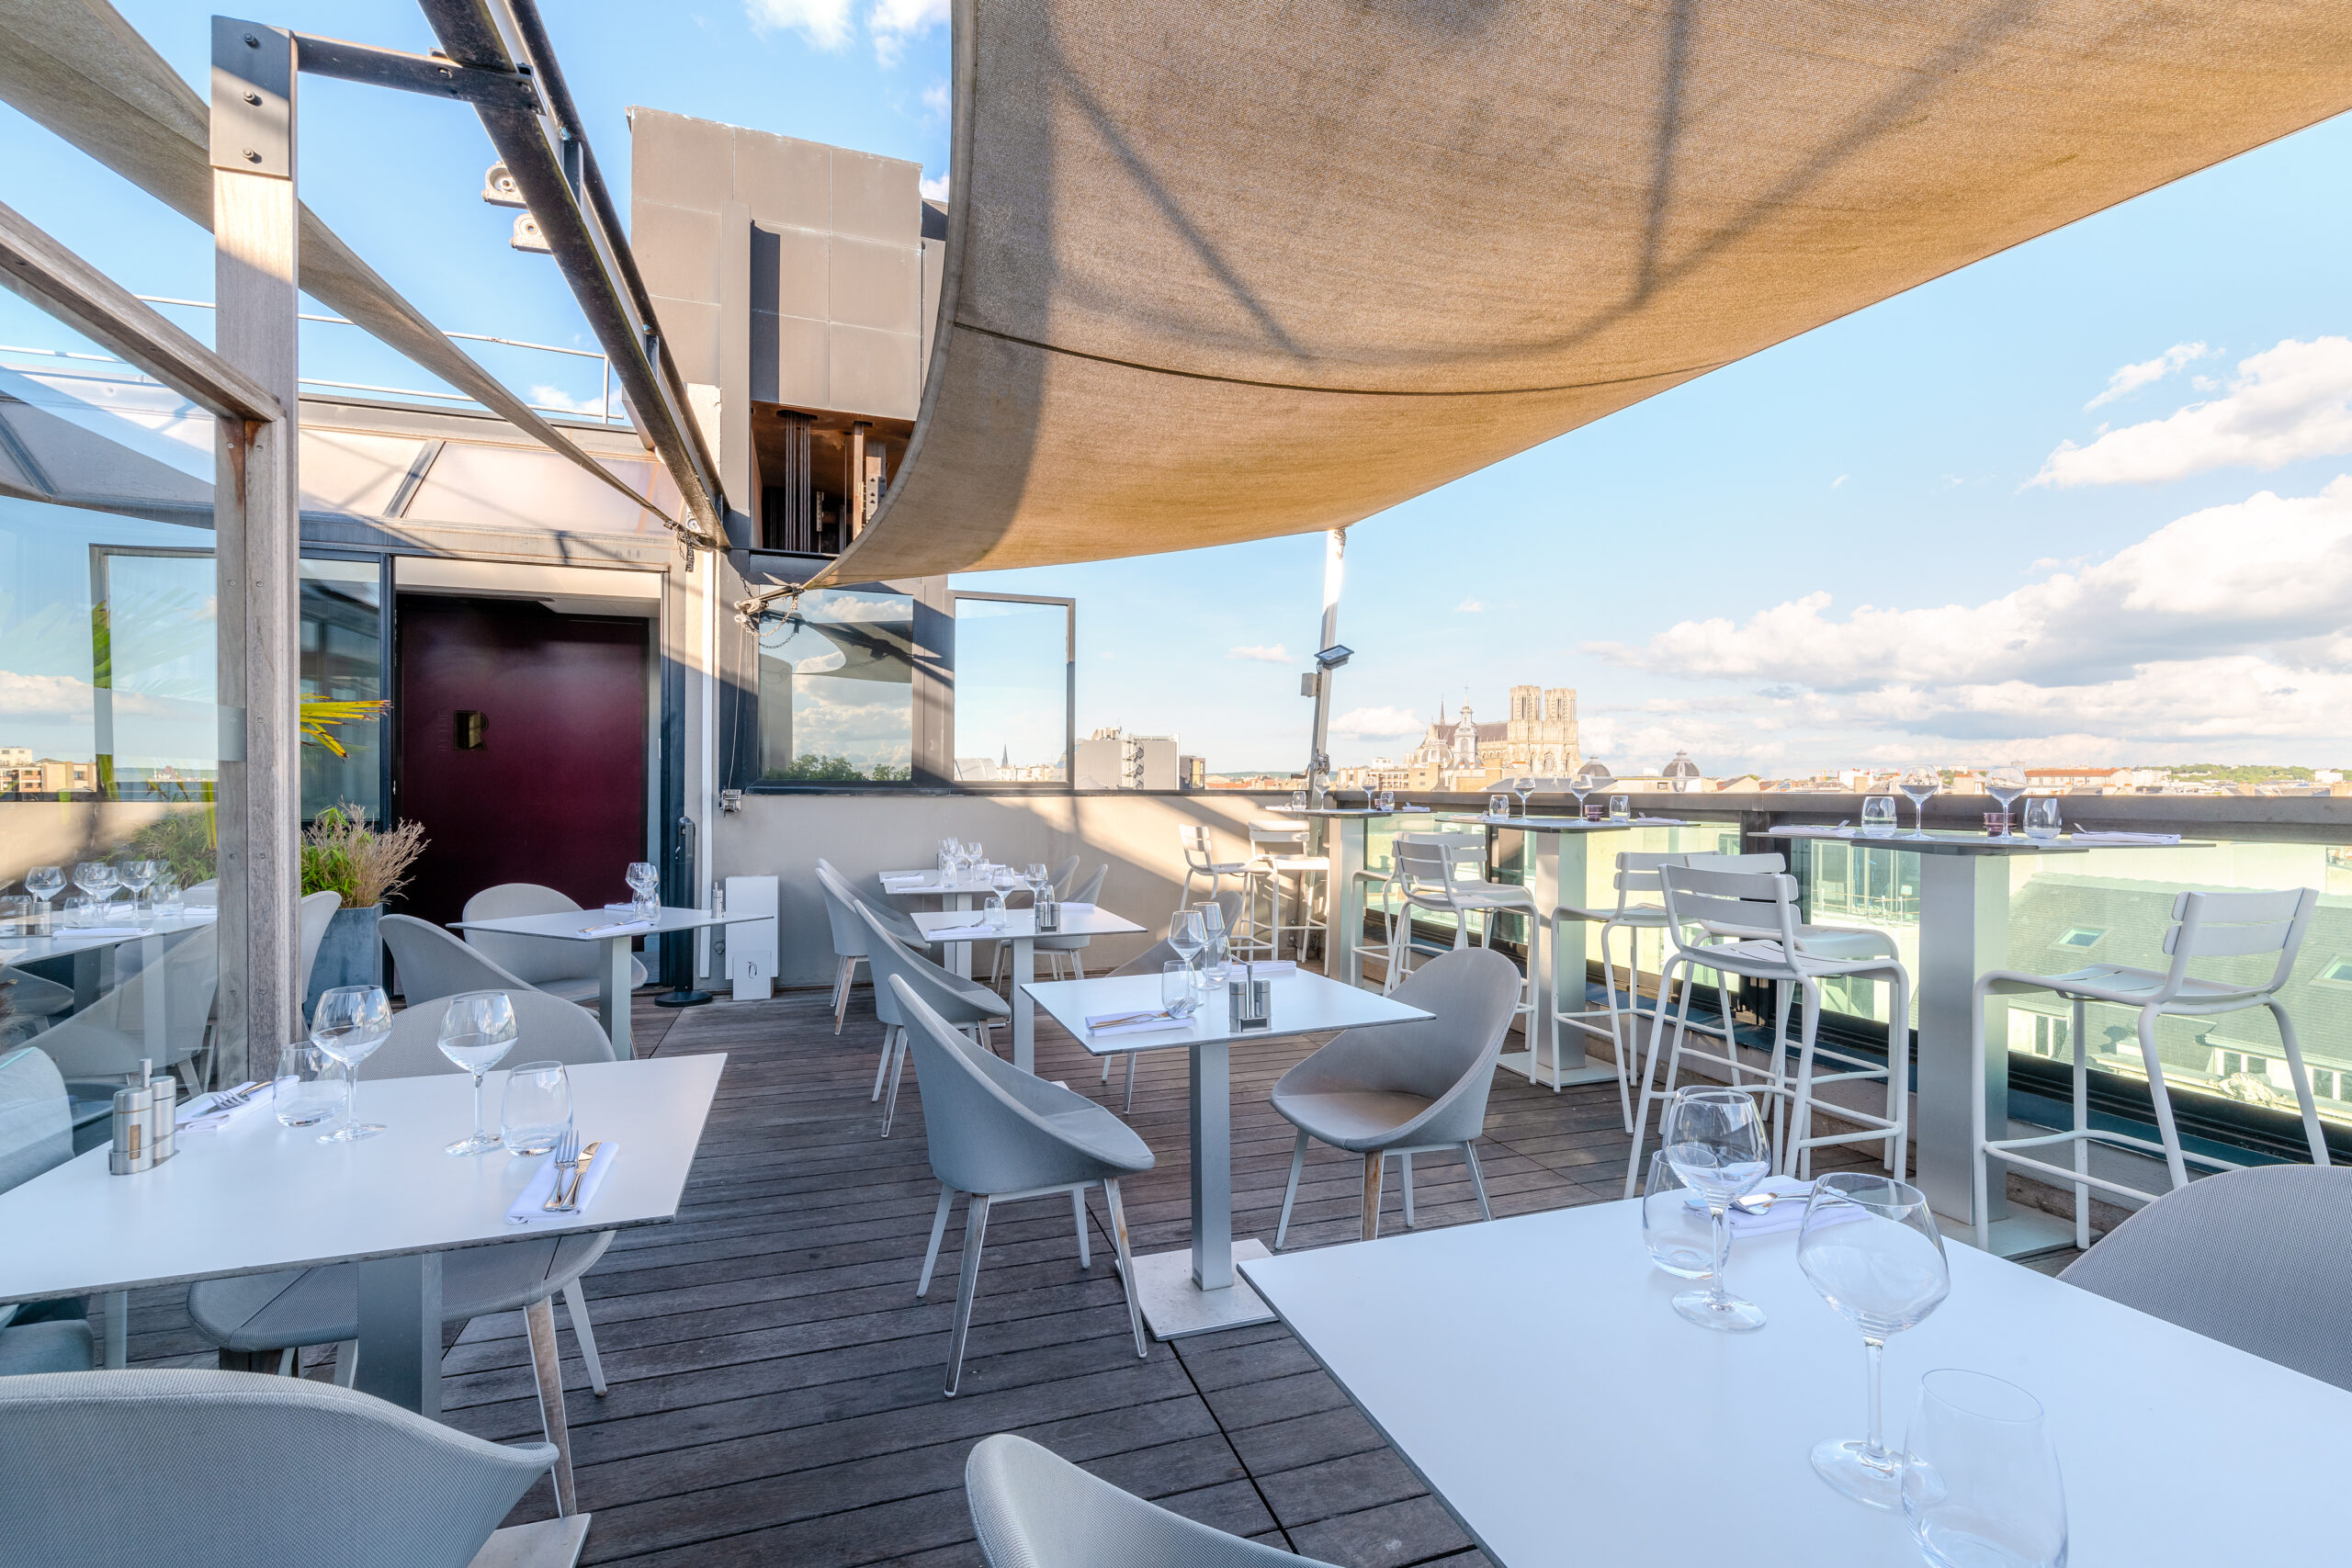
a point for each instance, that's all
(776, 1385)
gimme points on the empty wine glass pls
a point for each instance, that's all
(2005, 784)
(1716, 1143)
(1921, 785)
(1037, 875)
(44, 883)
(1878, 816)
(1981, 1484)
(644, 881)
(1522, 789)
(350, 1022)
(1187, 933)
(2042, 818)
(476, 1032)
(137, 875)
(1579, 787)
(1870, 1247)
(95, 877)
(1213, 944)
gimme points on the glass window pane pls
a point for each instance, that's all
(1011, 691)
(837, 690)
(342, 661)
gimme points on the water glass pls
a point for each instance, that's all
(992, 912)
(1676, 1228)
(477, 1031)
(1621, 808)
(2042, 818)
(1498, 806)
(17, 915)
(1878, 816)
(1176, 985)
(1298, 800)
(538, 1110)
(1716, 1142)
(308, 1088)
(1981, 1484)
(169, 901)
(1871, 1248)
(1997, 824)
(350, 1022)
(1385, 801)
(76, 911)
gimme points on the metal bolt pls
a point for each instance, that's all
(252, 156)
(254, 98)
(252, 42)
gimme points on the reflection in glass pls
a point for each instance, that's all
(837, 690)
(1011, 691)
(342, 661)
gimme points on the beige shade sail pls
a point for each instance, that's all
(1222, 273)
(77, 68)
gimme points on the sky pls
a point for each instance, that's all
(2089, 501)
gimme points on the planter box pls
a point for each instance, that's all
(351, 953)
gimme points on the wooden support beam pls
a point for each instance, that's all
(258, 539)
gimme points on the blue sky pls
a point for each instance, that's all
(2016, 563)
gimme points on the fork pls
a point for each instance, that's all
(567, 1155)
(230, 1100)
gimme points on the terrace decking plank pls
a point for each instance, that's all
(775, 1384)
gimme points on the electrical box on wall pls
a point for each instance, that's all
(752, 944)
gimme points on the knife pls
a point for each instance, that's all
(572, 1199)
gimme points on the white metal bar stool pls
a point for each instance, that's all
(1766, 902)
(2206, 925)
(1280, 867)
(1428, 879)
(1200, 860)
(1620, 1025)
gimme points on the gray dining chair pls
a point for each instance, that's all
(104, 1043)
(965, 1004)
(841, 895)
(1032, 1509)
(36, 1135)
(227, 1470)
(311, 917)
(548, 1029)
(2260, 1258)
(25, 994)
(1151, 961)
(429, 963)
(1054, 949)
(1407, 1089)
(998, 1134)
(566, 969)
(1065, 875)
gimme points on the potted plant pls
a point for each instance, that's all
(342, 853)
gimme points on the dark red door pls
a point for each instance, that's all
(523, 748)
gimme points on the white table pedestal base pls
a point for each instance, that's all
(2025, 1233)
(1540, 1073)
(1174, 1306)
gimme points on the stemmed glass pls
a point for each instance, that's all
(1715, 1140)
(1524, 788)
(1921, 785)
(351, 1022)
(96, 877)
(644, 881)
(2005, 784)
(1213, 943)
(138, 875)
(1870, 1247)
(1037, 876)
(44, 883)
(476, 1034)
(1187, 933)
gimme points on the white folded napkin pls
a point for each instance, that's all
(1081, 908)
(1265, 968)
(620, 908)
(101, 931)
(1149, 1021)
(201, 1115)
(1658, 821)
(964, 933)
(1405, 809)
(530, 1208)
(615, 928)
(905, 876)
(1813, 832)
(2080, 837)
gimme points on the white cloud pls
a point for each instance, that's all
(557, 398)
(1262, 653)
(1471, 607)
(898, 23)
(2286, 403)
(824, 23)
(936, 101)
(2132, 378)
(1840, 479)
(1377, 724)
(934, 189)
(2233, 622)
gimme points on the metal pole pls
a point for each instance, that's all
(1318, 760)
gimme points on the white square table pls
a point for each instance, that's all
(954, 893)
(1558, 864)
(1194, 1290)
(1632, 1438)
(1019, 929)
(84, 944)
(612, 974)
(257, 1197)
(1963, 932)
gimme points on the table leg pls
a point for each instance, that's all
(612, 996)
(1553, 1056)
(1024, 1007)
(117, 1351)
(400, 1331)
(85, 978)
(1964, 931)
(1194, 1290)
(960, 955)
(1343, 897)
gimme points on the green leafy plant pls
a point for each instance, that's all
(341, 853)
(188, 842)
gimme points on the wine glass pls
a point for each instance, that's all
(644, 881)
(95, 877)
(138, 875)
(1870, 1247)
(1588, 778)
(350, 1022)
(1187, 933)
(44, 883)
(2005, 784)
(2041, 815)
(1716, 1143)
(1980, 1482)
(1037, 875)
(1213, 943)
(476, 1032)
(1921, 785)
(1524, 788)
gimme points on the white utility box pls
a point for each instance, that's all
(752, 944)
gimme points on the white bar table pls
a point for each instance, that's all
(1645, 1439)
(257, 1197)
(1345, 832)
(1963, 932)
(1194, 1290)
(597, 926)
(1558, 862)
(954, 893)
(1019, 929)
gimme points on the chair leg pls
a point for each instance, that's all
(1126, 1262)
(1407, 1161)
(1371, 1164)
(898, 1071)
(1128, 1109)
(882, 1067)
(1980, 1182)
(844, 977)
(1078, 1213)
(1478, 1179)
(2174, 1164)
(2309, 1107)
(938, 1231)
(1106, 1070)
(1796, 1157)
(1077, 963)
(546, 1370)
(975, 1230)
(2082, 1124)
(1642, 1095)
(1290, 1193)
(575, 1307)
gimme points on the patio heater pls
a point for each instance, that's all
(1328, 659)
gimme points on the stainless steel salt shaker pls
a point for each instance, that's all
(134, 1120)
(163, 1133)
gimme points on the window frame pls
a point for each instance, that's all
(1067, 783)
